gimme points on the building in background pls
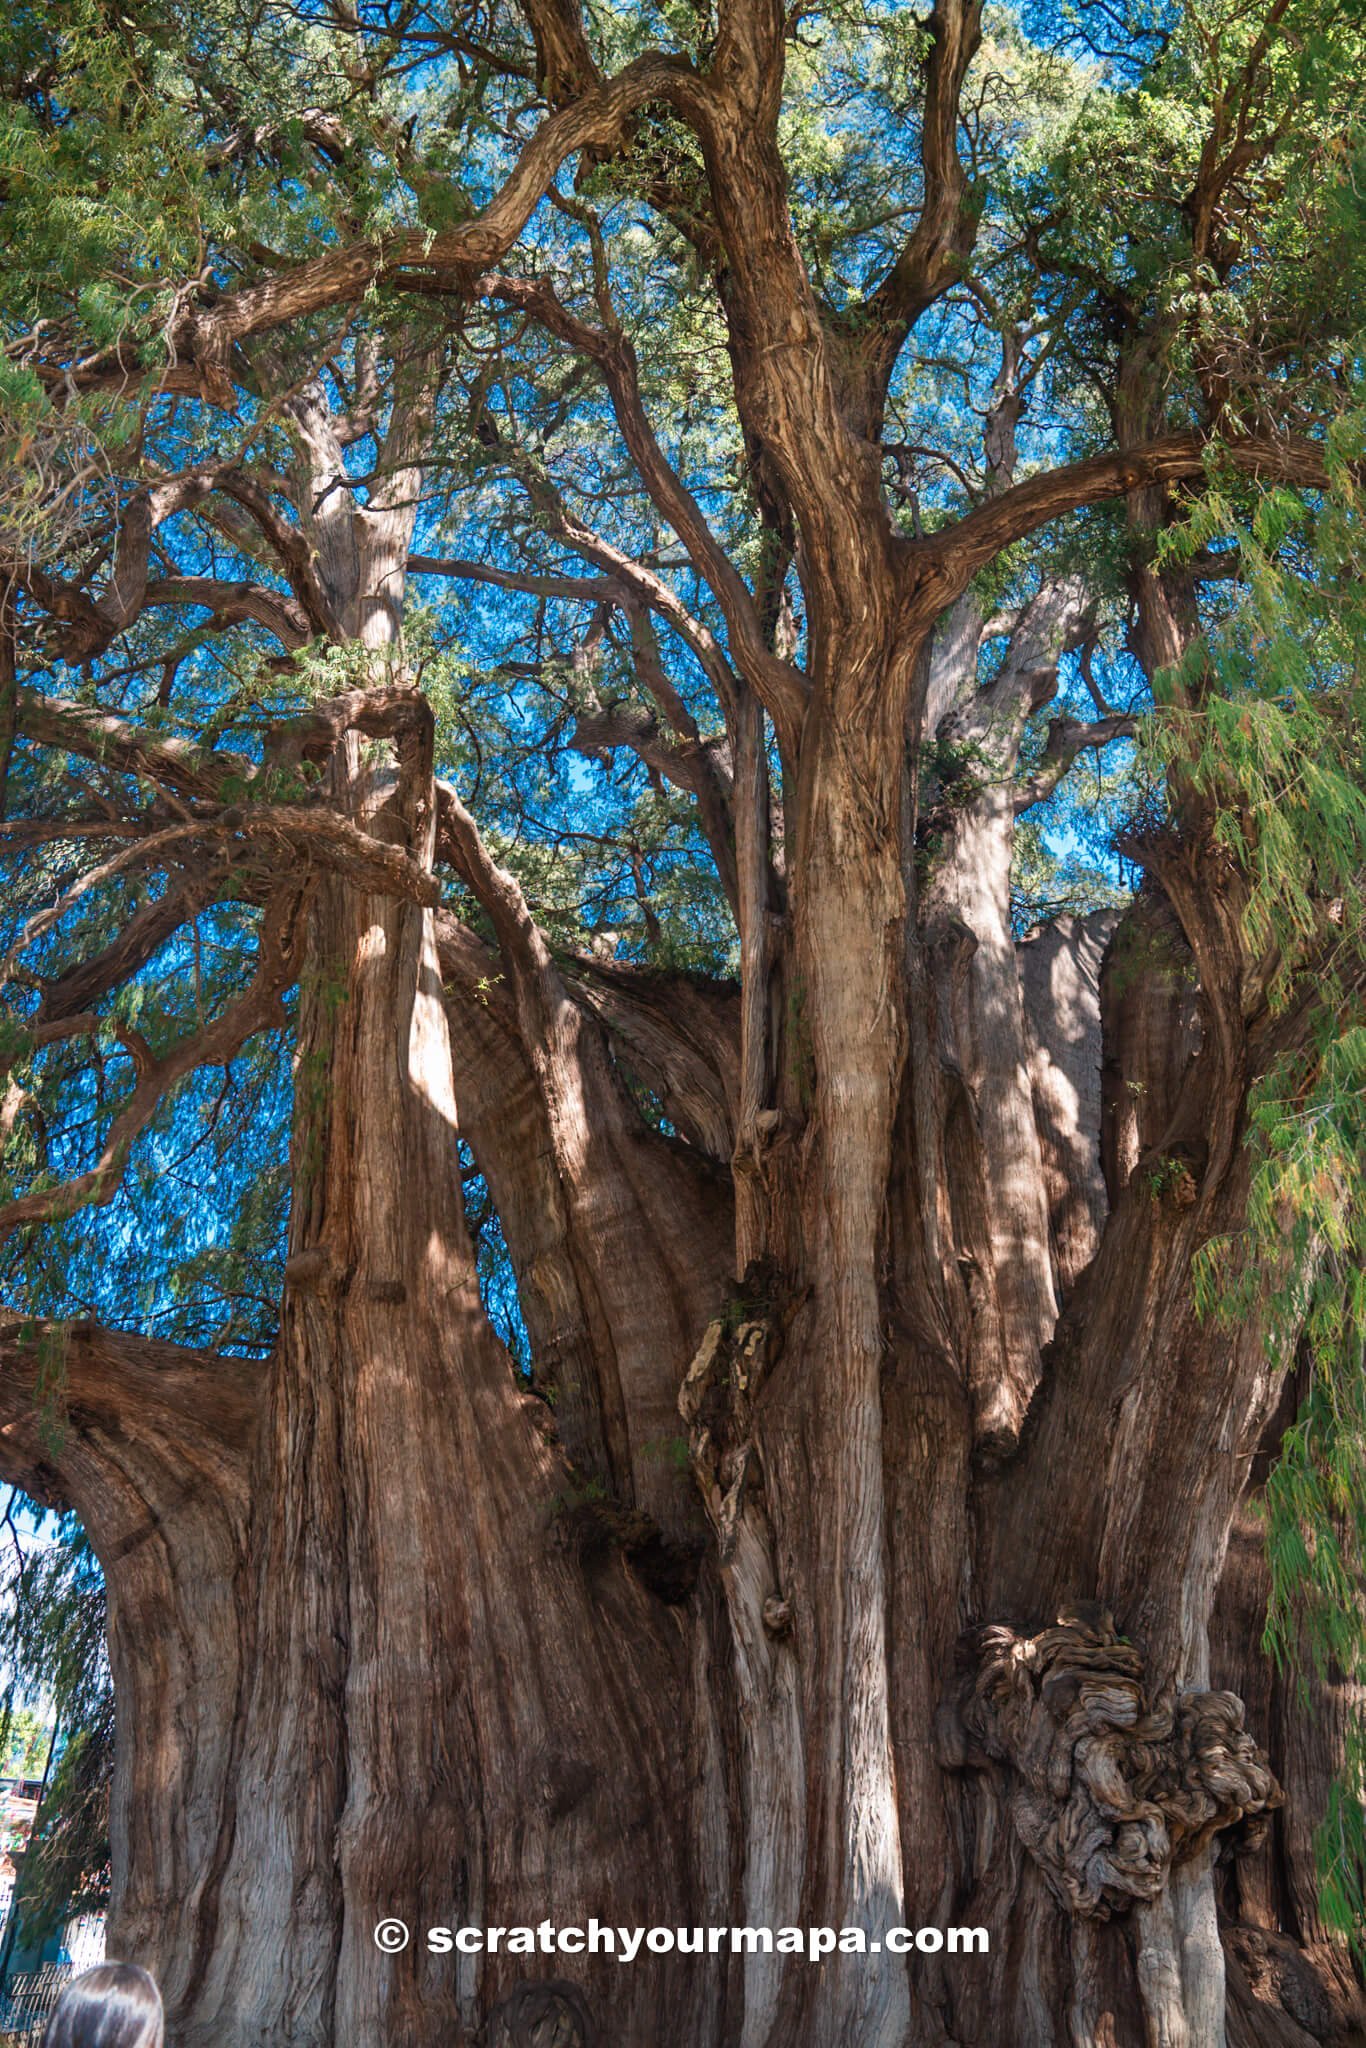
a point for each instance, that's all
(33, 1974)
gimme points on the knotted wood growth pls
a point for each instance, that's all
(1109, 1789)
(401, 1627)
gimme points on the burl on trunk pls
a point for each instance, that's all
(847, 1557)
(854, 1548)
(849, 1592)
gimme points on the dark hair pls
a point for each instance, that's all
(116, 2005)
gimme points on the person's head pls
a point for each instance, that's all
(114, 2006)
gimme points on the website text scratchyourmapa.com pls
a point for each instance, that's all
(626, 1943)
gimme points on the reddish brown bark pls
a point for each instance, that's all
(850, 1553)
(472, 1655)
(464, 1654)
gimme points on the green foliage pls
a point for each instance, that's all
(154, 158)
(1340, 1846)
(1263, 730)
(1046, 883)
(1265, 727)
(29, 1740)
(1300, 1267)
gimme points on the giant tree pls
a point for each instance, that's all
(682, 960)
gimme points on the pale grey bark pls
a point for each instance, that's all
(967, 790)
(1060, 969)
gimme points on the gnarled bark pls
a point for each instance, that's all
(155, 1446)
(848, 1555)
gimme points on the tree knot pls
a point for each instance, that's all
(1107, 1788)
(594, 1528)
(310, 1270)
(716, 1400)
(551, 2014)
(1172, 1176)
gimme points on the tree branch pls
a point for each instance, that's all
(194, 772)
(145, 933)
(586, 589)
(781, 686)
(693, 764)
(625, 579)
(259, 1008)
(202, 775)
(1068, 737)
(90, 623)
(954, 555)
(397, 713)
(564, 63)
(290, 547)
(933, 257)
(787, 385)
(231, 603)
(70, 1391)
(207, 333)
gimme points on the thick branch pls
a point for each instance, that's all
(933, 257)
(680, 1033)
(1068, 737)
(779, 684)
(69, 1393)
(207, 333)
(564, 62)
(145, 933)
(786, 380)
(203, 775)
(290, 547)
(692, 765)
(959, 551)
(192, 771)
(231, 603)
(91, 623)
(397, 713)
(153, 1446)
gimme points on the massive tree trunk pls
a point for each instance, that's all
(919, 1631)
(406, 1668)
(848, 1555)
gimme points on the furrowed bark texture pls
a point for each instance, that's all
(858, 1588)
(435, 1585)
(865, 1541)
(401, 1545)
(155, 1445)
